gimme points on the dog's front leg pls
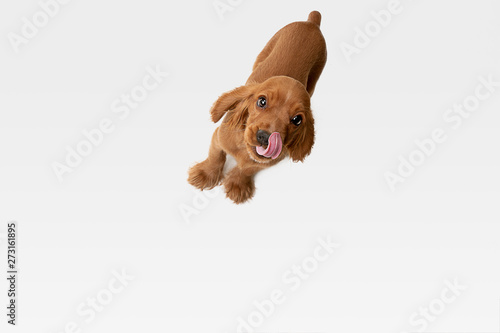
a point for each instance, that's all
(208, 174)
(239, 184)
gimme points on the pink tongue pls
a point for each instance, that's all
(273, 149)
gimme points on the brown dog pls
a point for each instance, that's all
(269, 117)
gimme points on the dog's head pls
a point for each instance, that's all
(275, 116)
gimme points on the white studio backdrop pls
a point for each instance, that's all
(390, 225)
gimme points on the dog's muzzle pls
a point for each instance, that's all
(273, 142)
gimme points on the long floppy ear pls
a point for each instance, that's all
(301, 144)
(228, 101)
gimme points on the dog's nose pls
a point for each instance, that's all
(263, 137)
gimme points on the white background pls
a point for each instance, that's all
(120, 209)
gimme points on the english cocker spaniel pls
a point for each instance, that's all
(269, 118)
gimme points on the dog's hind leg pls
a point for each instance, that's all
(265, 52)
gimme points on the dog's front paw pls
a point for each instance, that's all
(202, 176)
(239, 188)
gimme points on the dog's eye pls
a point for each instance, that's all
(262, 102)
(297, 120)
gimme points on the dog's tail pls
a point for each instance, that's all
(315, 17)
